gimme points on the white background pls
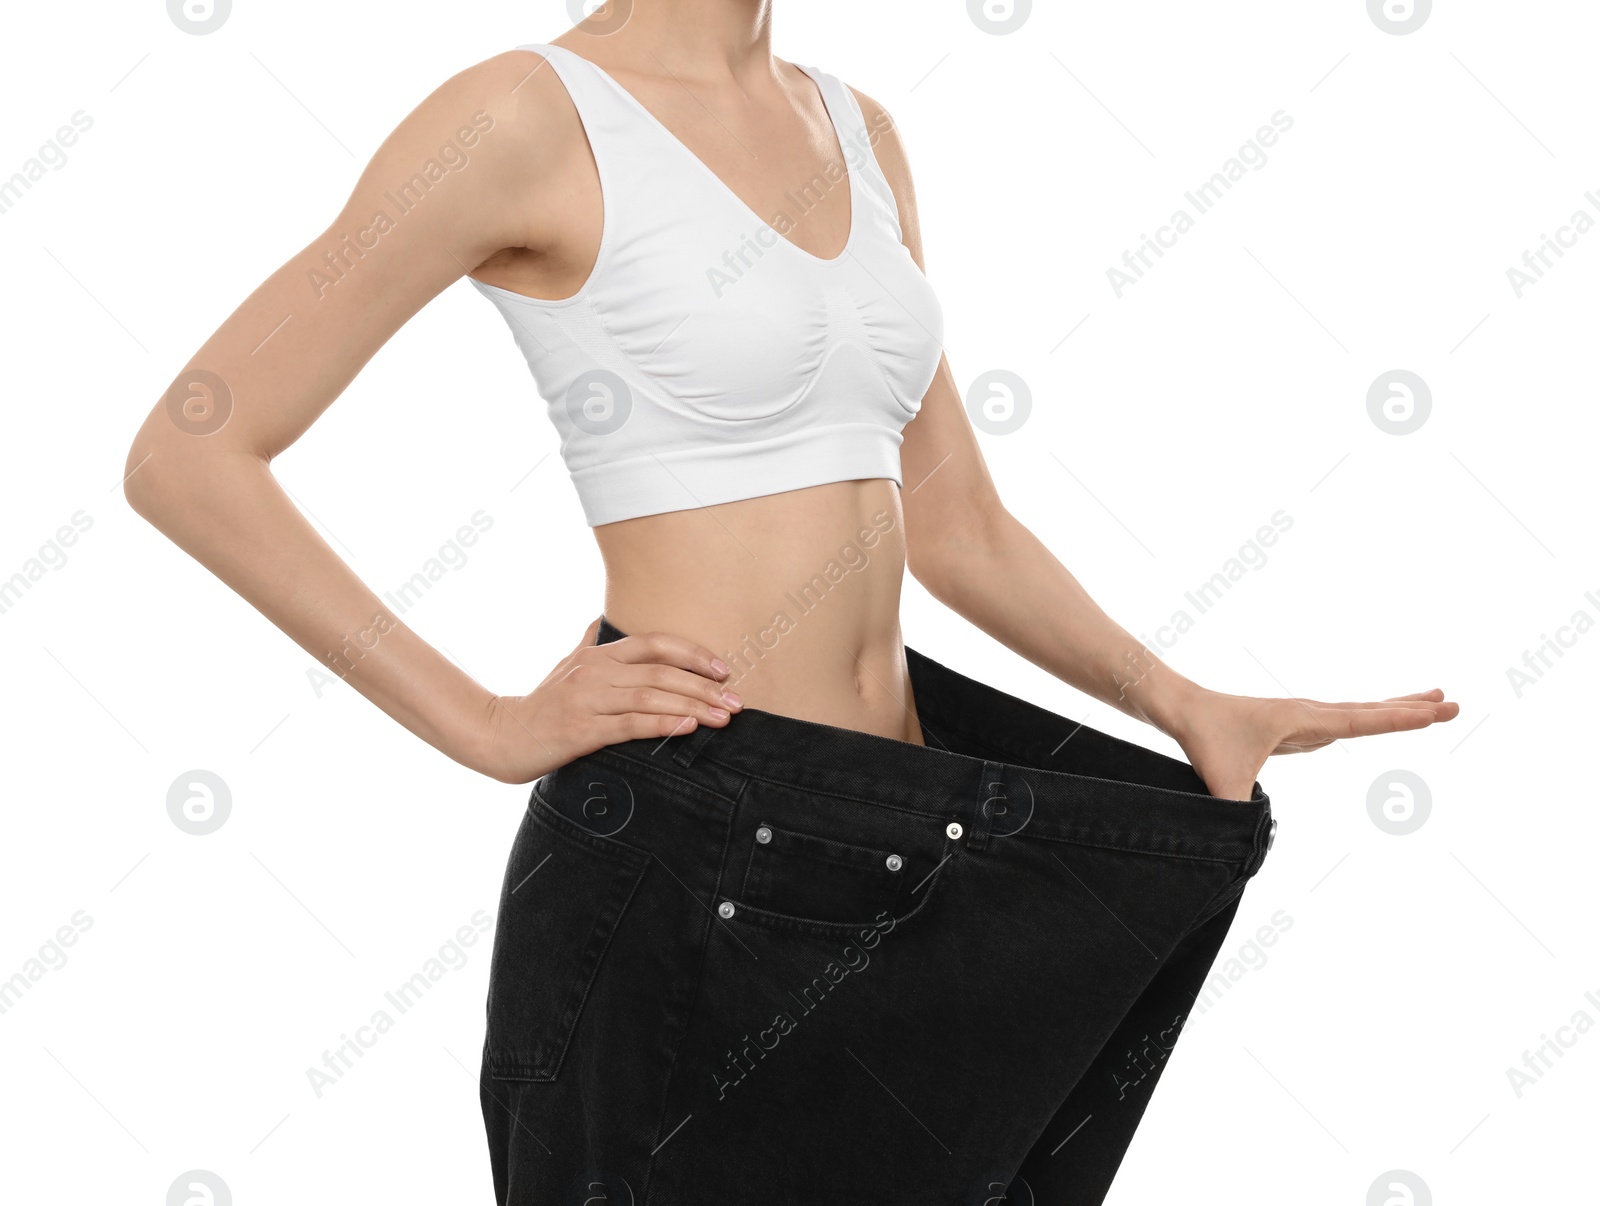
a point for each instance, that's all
(1228, 384)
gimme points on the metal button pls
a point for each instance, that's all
(763, 835)
(725, 909)
(1272, 832)
(953, 831)
(893, 862)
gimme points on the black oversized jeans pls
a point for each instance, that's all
(782, 962)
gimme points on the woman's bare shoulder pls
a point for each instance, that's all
(514, 93)
(508, 123)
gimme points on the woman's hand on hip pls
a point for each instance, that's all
(1228, 738)
(653, 685)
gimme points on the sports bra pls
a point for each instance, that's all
(706, 358)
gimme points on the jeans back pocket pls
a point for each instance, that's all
(563, 897)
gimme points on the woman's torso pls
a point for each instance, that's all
(798, 591)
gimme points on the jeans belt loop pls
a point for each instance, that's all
(991, 797)
(687, 748)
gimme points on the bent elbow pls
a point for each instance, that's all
(144, 483)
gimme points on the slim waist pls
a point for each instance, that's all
(992, 760)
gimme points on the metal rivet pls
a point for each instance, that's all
(763, 835)
(725, 909)
(893, 862)
(1272, 833)
(953, 831)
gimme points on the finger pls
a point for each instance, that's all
(1440, 709)
(618, 701)
(1443, 709)
(636, 726)
(674, 650)
(681, 682)
(1434, 696)
(1415, 701)
(1364, 722)
(1233, 789)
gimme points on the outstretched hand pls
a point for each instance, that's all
(1228, 738)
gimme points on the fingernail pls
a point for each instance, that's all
(732, 700)
(718, 666)
(717, 714)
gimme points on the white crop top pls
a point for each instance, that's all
(707, 358)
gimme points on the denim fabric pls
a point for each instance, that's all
(783, 962)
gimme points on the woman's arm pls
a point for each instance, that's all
(479, 160)
(975, 557)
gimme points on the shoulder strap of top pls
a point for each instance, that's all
(613, 115)
(625, 155)
(582, 80)
(857, 140)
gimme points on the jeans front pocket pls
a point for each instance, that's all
(563, 897)
(820, 878)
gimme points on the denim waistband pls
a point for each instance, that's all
(1054, 778)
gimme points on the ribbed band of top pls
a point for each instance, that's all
(704, 476)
